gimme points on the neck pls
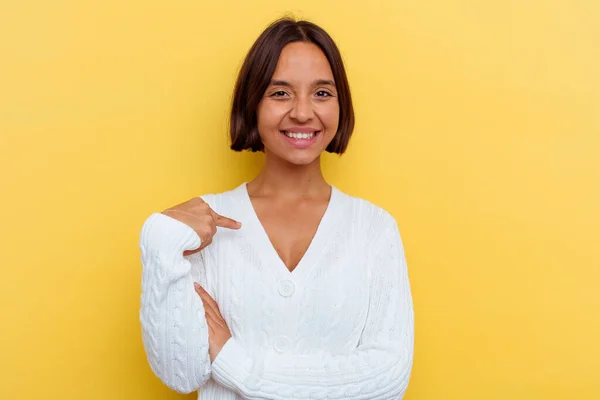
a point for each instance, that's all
(281, 178)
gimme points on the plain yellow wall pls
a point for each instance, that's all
(478, 128)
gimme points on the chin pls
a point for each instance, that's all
(301, 159)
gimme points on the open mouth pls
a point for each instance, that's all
(301, 135)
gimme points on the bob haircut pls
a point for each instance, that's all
(258, 69)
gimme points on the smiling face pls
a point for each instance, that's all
(298, 115)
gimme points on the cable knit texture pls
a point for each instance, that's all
(339, 326)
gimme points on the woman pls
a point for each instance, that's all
(283, 287)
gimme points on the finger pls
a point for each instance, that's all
(213, 318)
(214, 308)
(212, 321)
(202, 293)
(190, 252)
(212, 326)
(209, 315)
(206, 297)
(225, 222)
(209, 319)
(210, 304)
(170, 210)
(211, 308)
(216, 322)
(200, 290)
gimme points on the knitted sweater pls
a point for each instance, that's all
(339, 326)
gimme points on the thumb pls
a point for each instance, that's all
(225, 222)
(190, 252)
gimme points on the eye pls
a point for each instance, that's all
(279, 93)
(323, 93)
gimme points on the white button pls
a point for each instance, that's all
(282, 344)
(286, 288)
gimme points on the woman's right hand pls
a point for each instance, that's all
(197, 214)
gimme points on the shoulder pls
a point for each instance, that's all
(376, 229)
(369, 218)
(217, 198)
(229, 203)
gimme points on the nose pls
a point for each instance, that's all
(302, 109)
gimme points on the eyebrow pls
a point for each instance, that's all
(318, 82)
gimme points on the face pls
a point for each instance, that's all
(299, 113)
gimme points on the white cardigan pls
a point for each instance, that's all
(339, 326)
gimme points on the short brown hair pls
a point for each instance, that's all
(258, 69)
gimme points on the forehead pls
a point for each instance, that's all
(300, 60)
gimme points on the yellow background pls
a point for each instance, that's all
(478, 128)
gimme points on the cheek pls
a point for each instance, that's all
(269, 117)
(330, 117)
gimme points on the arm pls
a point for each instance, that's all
(174, 329)
(379, 368)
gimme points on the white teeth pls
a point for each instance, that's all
(297, 135)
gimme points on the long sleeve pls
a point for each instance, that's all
(379, 368)
(174, 329)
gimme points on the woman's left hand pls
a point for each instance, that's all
(218, 332)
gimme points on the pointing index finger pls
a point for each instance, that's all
(225, 222)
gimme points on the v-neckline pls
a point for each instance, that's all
(260, 239)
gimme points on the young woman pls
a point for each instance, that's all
(284, 287)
